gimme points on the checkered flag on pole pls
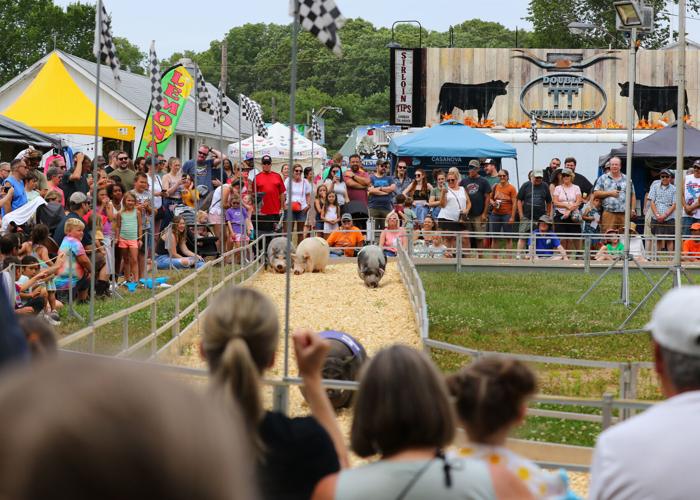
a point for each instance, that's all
(222, 107)
(203, 96)
(322, 19)
(104, 48)
(156, 85)
(252, 111)
(315, 129)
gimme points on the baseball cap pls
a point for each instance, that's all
(675, 321)
(695, 226)
(696, 163)
(489, 161)
(266, 159)
(538, 173)
(78, 198)
(666, 172)
(474, 164)
(248, 156)
(567, 171)
(546, 219)
(346, 217)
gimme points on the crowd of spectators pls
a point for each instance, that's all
(143, 218)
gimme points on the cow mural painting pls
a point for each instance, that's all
(464, 96)
(649, 99)
(572, 88)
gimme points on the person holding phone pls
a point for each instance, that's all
(611, 188)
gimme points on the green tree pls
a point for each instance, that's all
(550, 18)
(130, 56)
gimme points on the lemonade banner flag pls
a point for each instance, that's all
(159, 128)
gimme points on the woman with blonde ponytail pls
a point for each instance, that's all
(239, 340)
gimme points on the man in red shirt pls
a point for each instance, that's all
(270, 183)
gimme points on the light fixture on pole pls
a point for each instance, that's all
(393, 44)
(629, 13)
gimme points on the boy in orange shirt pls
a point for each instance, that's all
(691, 247)
(346, 237)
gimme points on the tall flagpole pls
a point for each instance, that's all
(292, 115)
(93, 254)
(222, 92)
(152, 238)
(312, 141)
(680, 146)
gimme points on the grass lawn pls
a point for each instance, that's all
(528, 313)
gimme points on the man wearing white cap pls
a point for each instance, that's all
(654, 455)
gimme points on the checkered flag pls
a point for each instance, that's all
(252, 111)
(322, 19)
(222, 107)
(203, 96)
(315, 129)
(103, 48)
(156, 85)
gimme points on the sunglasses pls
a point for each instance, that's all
(665, 176)
(401, 168)
(297, 171)
(504, 176)
(123, 158)
(451, 180)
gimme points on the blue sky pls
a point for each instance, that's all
(197, 23)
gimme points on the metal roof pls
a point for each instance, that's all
(136, 90)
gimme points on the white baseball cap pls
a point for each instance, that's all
(675, 322)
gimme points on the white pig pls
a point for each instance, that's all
(311, 256)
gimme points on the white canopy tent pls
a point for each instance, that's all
(277, 146)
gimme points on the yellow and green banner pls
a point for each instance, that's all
(177, 85)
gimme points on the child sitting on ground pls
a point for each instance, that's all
(29, 285)
(437, 248)
(612, 246)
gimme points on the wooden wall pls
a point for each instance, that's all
(654, 68)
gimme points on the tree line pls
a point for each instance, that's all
(357, 82)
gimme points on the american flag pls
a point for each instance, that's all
(315, 129)
(103, 47)
(252, 111)
(156, 85)
(322, 19)
(222, 107)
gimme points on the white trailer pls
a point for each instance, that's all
(586, 145)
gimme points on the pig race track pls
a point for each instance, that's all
(336, 299)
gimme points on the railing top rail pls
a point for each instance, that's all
(74, 337)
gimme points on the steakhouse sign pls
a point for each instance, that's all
(159, 128)
(568, 99)
(407, 91)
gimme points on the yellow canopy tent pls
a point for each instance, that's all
(53, 103)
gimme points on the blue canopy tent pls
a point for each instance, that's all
(451, 140)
